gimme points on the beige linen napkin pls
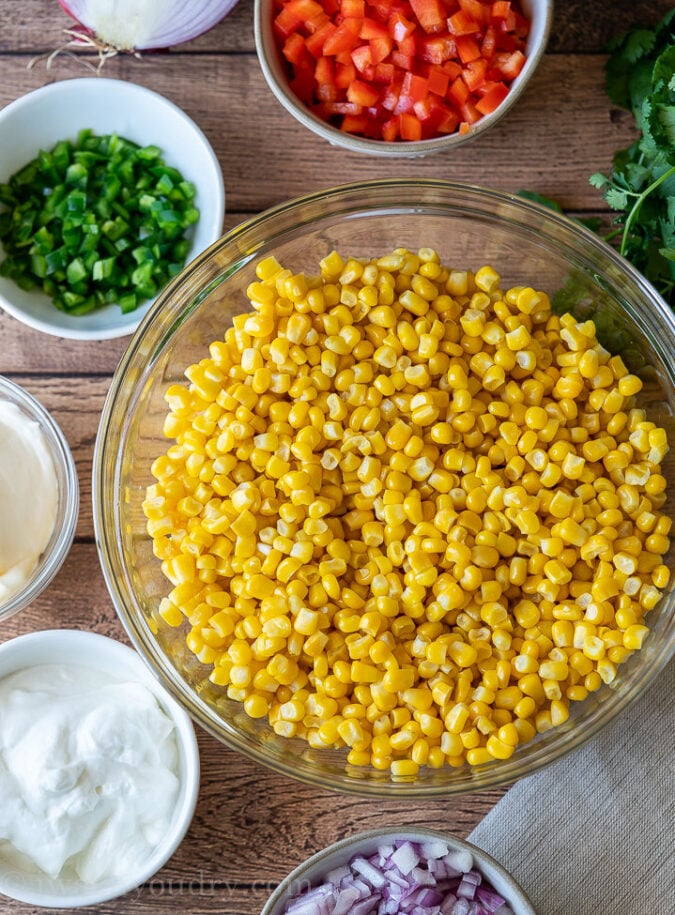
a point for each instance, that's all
(594, 834)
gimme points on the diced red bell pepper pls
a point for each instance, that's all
(390, 130)
(474, 74)
(467, 48)
(326, 92)
(469, 112)
(489, 43)
(447, 122)
(362, 93)
(403, 61)
(400, 27)
(286, 22)
(384, 72)
(407, 45)
(353, 9)
(314, 43)
(415, 87)
(362, 57)
(389, 98)
(324, 71)
(345, 37)
(509, 65)
(294, 49)
(410, 126)
(458, 91)
(380, 48)
(437, 49)
(343, 108)
(344, 74)
(476, 9)
(492, 99)
(430, 14)
(452, 68)
(313, 25)
(401, 69)
(371, 28)
(460, 23)
(438, 81)
(354, 123)
(424, 109)
(304, 10)
(500, 10)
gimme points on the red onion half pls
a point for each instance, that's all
(139, 25)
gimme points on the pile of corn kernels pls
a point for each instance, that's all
(407, 512)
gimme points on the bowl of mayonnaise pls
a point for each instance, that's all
(39, 498)
(99, 770)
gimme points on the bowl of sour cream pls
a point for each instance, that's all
(99, 770)
(39, 498)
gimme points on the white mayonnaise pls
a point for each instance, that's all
(28, 498)
(88, 772)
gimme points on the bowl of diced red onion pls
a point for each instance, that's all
(388, 871)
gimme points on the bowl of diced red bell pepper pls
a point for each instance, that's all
(400, 77)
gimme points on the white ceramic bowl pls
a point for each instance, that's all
(58, 111)
(61, 539)
(540, 13)
(69, 646)
(312, 872)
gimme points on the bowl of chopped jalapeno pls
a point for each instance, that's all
(107, 190)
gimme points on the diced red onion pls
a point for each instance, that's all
(374, 876)
(422, 876)
(468, 884)
(490, 900)
(432, 850)
(405, 858)
(129, 25)
(411, 878)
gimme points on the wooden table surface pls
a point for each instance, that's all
(252, 826)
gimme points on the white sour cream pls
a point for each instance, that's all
(88, 772)
(28, 498)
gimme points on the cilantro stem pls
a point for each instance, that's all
(635, 209)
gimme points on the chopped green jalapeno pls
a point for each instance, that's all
(97, 221)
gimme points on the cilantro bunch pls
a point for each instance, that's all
(640, 76)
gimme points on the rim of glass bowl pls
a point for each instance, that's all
(60, 542)
(236, 249)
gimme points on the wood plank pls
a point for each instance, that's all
(578, 26)
(582, 27)
(550, 141)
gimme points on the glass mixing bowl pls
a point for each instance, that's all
(469, 227)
